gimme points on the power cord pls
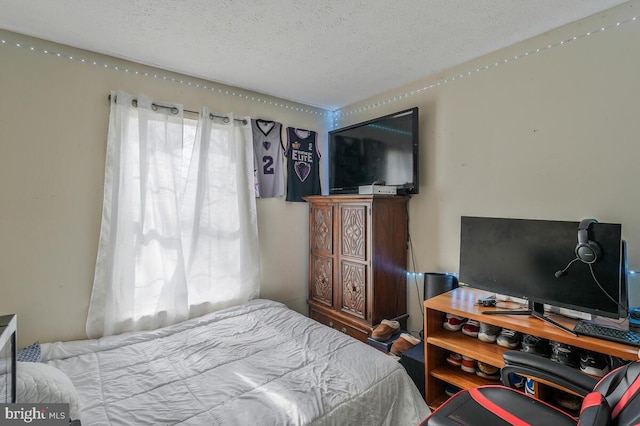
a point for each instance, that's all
(622, 308)
(415, 279)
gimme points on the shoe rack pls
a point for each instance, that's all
(463, 302)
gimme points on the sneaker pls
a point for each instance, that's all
(566, 400)
(451, 390)
(530, 387)
(535, 345)
(509, 338)
(615, 362)
(385, 330)
(488, 371)
(403, 343)
(454, 359)
(593, 363)
(488, 333)
(468, 364)
(564, 354)
(516, 380)
(471, 328)
(453, 322)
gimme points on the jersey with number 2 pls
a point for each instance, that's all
(269, 155)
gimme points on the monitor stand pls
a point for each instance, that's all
(535, 310)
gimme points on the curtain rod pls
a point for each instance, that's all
(174, 110)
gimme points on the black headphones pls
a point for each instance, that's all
(587, 251)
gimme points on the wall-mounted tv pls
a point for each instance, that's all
(383, 151)
(523, 258)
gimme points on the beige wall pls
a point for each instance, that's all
(550, 135)
(53, 127)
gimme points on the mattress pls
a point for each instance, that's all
(255, 364)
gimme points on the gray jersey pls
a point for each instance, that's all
(269, 158)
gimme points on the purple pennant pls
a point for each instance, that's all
(302, 170)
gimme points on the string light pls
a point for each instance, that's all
(5, 42)
(336, 115)
(339, 114)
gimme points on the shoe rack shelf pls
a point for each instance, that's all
(463, 302)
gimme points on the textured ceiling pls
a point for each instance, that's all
(326, 53)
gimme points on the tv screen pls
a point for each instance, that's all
(383, 150)
(520, 258)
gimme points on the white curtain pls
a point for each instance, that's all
(179, 231)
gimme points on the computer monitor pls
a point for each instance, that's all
(523, 258)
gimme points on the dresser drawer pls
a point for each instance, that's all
(327, 320)
(321, 279)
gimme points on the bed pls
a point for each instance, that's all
(255, 364)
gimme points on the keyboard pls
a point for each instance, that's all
(613, 334)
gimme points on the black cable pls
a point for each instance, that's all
(415, 280)
(607, 294)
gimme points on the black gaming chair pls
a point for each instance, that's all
(613, 400)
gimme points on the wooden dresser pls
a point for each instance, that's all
(357, 260)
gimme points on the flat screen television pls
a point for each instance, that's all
(8, 359)
(383, 150)
(523, 258)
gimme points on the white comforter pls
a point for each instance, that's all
(255, 364)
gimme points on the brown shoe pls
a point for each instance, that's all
(403, 343)
(385, 330)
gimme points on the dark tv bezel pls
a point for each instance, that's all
(415, 143)
(501, 288)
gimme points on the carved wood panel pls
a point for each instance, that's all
(323, 229)
(354, 231)
(321, 289)
(354, 284)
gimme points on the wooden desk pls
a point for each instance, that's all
(462, 301)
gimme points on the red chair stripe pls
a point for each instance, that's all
(591, 400)
(626, 397)
(496, 409)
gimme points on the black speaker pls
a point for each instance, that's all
(436, 283)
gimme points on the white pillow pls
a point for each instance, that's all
(43, 383)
